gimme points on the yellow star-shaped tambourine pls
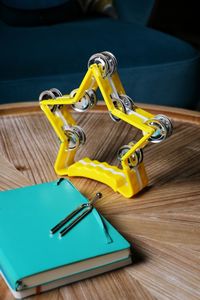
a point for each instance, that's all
(102, 74)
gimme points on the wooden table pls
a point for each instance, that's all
(162, 222)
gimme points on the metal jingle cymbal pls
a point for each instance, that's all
(168, 124)
(100, 59)
(56, 92)
(76, 137)
(86, 102)
(112, 62)
(73, 93)
(128, 102)
(93, 97)
(81, 134)
(118, 103)
(135, 159)
(83, 104)
(46, 95)
(160, 133)
(73, 139)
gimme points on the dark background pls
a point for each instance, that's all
(178, 18)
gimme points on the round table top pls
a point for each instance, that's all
(162, 222)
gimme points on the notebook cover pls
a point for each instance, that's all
(26, 216)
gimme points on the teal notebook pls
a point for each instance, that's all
(30, 257)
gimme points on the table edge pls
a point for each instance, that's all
(173, 112)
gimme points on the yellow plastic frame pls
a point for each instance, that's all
(127, 181)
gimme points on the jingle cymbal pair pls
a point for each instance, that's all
(52, 93)
(107, 61)
(88, 101)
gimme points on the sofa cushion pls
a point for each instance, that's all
(39, 13)
(154, 67)
(32, 4)
(138, 11)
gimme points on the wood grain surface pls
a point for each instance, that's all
(162, 222)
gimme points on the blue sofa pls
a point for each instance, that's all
(154, 67)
